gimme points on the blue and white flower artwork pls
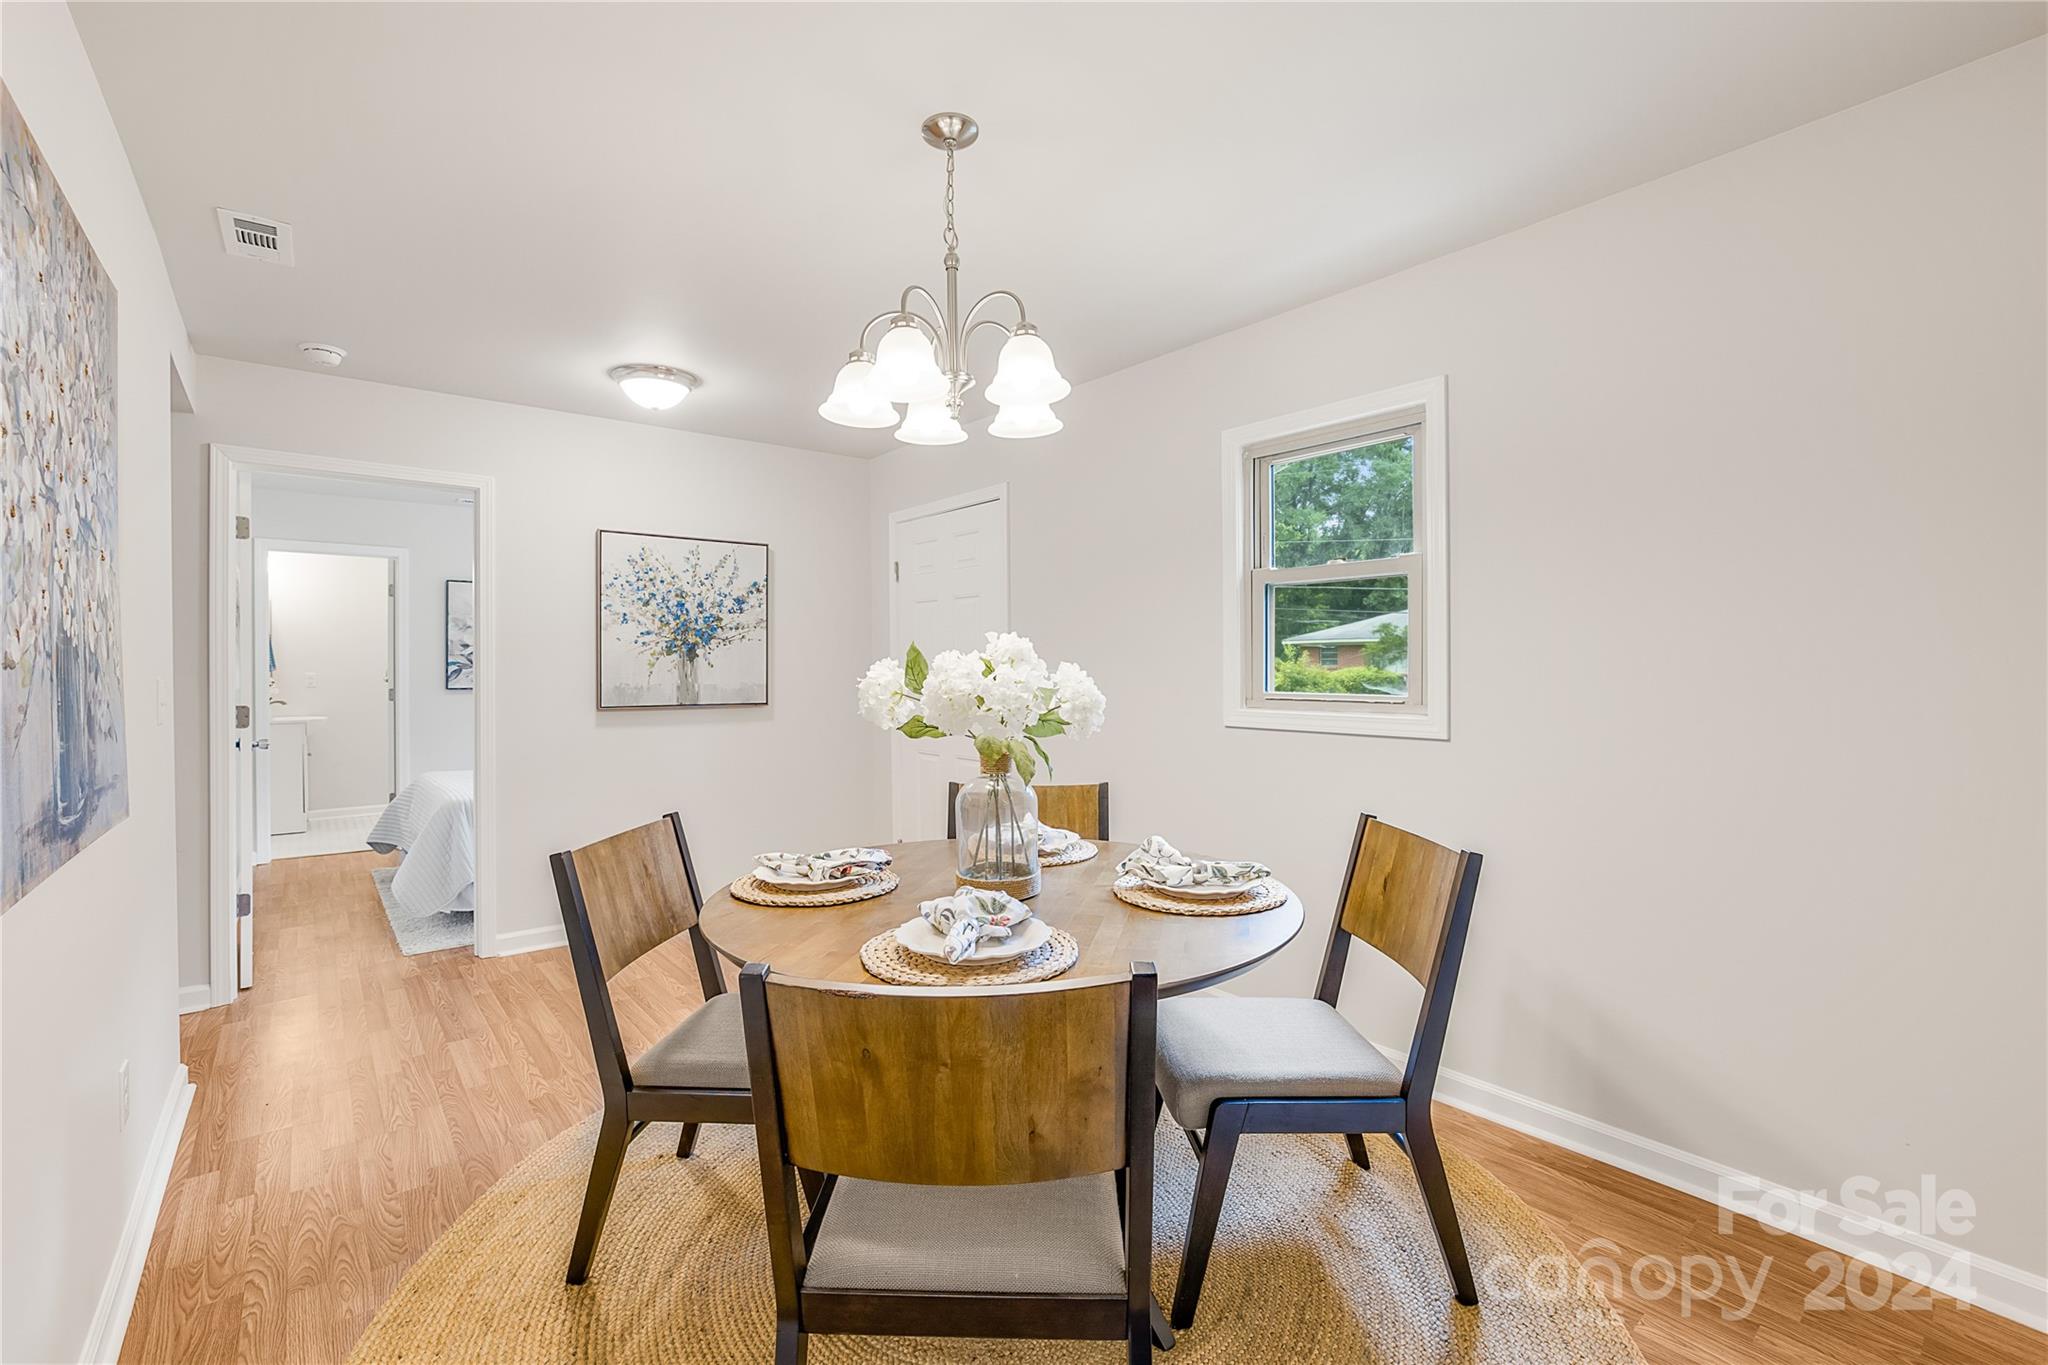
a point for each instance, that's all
(681, 621)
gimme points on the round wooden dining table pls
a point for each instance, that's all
(1190, 951)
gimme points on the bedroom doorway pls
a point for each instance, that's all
(349, 703)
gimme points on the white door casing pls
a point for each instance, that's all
(949, 566)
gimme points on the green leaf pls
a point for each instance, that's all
(1047, 726)
(916, 668)
(1027, 767)
(917, 727)
(1041, 751)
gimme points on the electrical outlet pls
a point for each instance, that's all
(123, 1073)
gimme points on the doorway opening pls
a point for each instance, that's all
(349, 697)
(330, 739)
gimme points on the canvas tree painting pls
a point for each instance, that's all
(459, 617)
(681, 621)
(63, 758)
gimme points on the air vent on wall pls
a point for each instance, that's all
(264, 239)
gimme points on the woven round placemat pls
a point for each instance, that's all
(1265, 894)
(754, 891)
(1078, 852)
(887, 960)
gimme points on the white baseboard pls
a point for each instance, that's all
(124, 1276)
(2006, 1290)
(191, 998)
(518, 941)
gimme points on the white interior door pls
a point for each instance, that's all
(247, 703)
(950, 584)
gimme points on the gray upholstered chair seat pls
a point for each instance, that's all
(1233, 1047)
(707, 1051)
(1054, 1237)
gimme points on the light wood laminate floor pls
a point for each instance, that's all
(355, 1101)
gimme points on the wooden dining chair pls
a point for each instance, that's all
(1241, 1064)
(1080, 807)
(987, 1158)
(622, 897)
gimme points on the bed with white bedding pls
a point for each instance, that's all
(433, 822)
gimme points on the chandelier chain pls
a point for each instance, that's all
(952, 238)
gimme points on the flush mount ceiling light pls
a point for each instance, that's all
(922, 359)
(655, 387)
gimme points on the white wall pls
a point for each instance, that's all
(331, 630)
(1747, 641)
(439, 539)
(87, 959)
(565, 773)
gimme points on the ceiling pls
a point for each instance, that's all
(506, 200)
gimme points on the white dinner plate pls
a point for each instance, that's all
(791, 882)
(926, 941)
(1205, 893)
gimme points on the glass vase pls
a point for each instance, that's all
(996, 817)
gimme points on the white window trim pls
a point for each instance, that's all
(1428, 715)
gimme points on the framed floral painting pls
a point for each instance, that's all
(681, 621)
(63, 742)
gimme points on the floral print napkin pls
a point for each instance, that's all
(1161, 864)
(1054, 840)
(970, 915)
(830, 866)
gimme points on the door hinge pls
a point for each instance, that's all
(241, 717)
(391, 694)
(241, 528)
(391, 590)
(897, 568)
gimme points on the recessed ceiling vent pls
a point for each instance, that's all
(263, 239)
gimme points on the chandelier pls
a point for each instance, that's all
(921, 361)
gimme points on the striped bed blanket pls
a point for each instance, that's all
(433, 821)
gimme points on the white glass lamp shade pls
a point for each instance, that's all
(654, 387)
(1025, 373)
(905, 369)
(854, 402)
(930, 424)
(1021, 420)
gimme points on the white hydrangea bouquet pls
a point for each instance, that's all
(1003, 697)
(1006, 700)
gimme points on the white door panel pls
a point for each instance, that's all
(247, 703)
(951, 586)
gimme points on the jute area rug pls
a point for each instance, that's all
(1315, 1260)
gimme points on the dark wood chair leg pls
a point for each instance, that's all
(1140, 1338)
(1359, 1157)
(1226, 1123)
(612, 1136)
(1420, 1140)
(687, 1143)
(1162, 1331)
(792, 1343)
